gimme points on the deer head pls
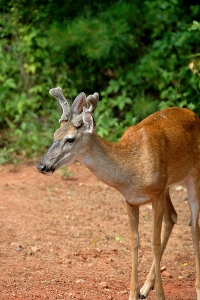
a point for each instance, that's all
(76, 127)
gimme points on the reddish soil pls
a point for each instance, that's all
(69, 239)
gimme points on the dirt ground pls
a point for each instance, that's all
(68, 238)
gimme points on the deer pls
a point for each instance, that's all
(149, 158)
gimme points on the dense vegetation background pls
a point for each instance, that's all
(139, 55)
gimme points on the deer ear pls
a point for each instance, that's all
(88, 122)
(78, 104)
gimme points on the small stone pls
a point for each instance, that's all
(35, 249)
(19, 248)
(166, 274)
(90, 265)
(162, 269)
(80, 281)
(103, 285)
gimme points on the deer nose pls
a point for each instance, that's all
(41, 168)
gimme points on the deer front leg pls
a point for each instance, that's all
(133, 214)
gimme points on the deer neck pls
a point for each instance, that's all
(105, 160)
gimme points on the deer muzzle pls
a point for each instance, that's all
(48, 163)
(42, 168)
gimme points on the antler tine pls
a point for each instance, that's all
(58, 94)
(92, 100)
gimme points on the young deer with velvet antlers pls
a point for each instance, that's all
(161, 150)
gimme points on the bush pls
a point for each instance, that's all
(138, 56)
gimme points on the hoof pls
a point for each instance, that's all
(142, 297)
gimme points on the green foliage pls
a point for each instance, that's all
(27, 74)
(195, 26)
(143, 53)
(140, 57)
(118, 239)
(65, 173)
(195, 64)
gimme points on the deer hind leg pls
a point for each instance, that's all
(169, 219)
(133, 214)
(193, 187)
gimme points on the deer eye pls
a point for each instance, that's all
(70, 140)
